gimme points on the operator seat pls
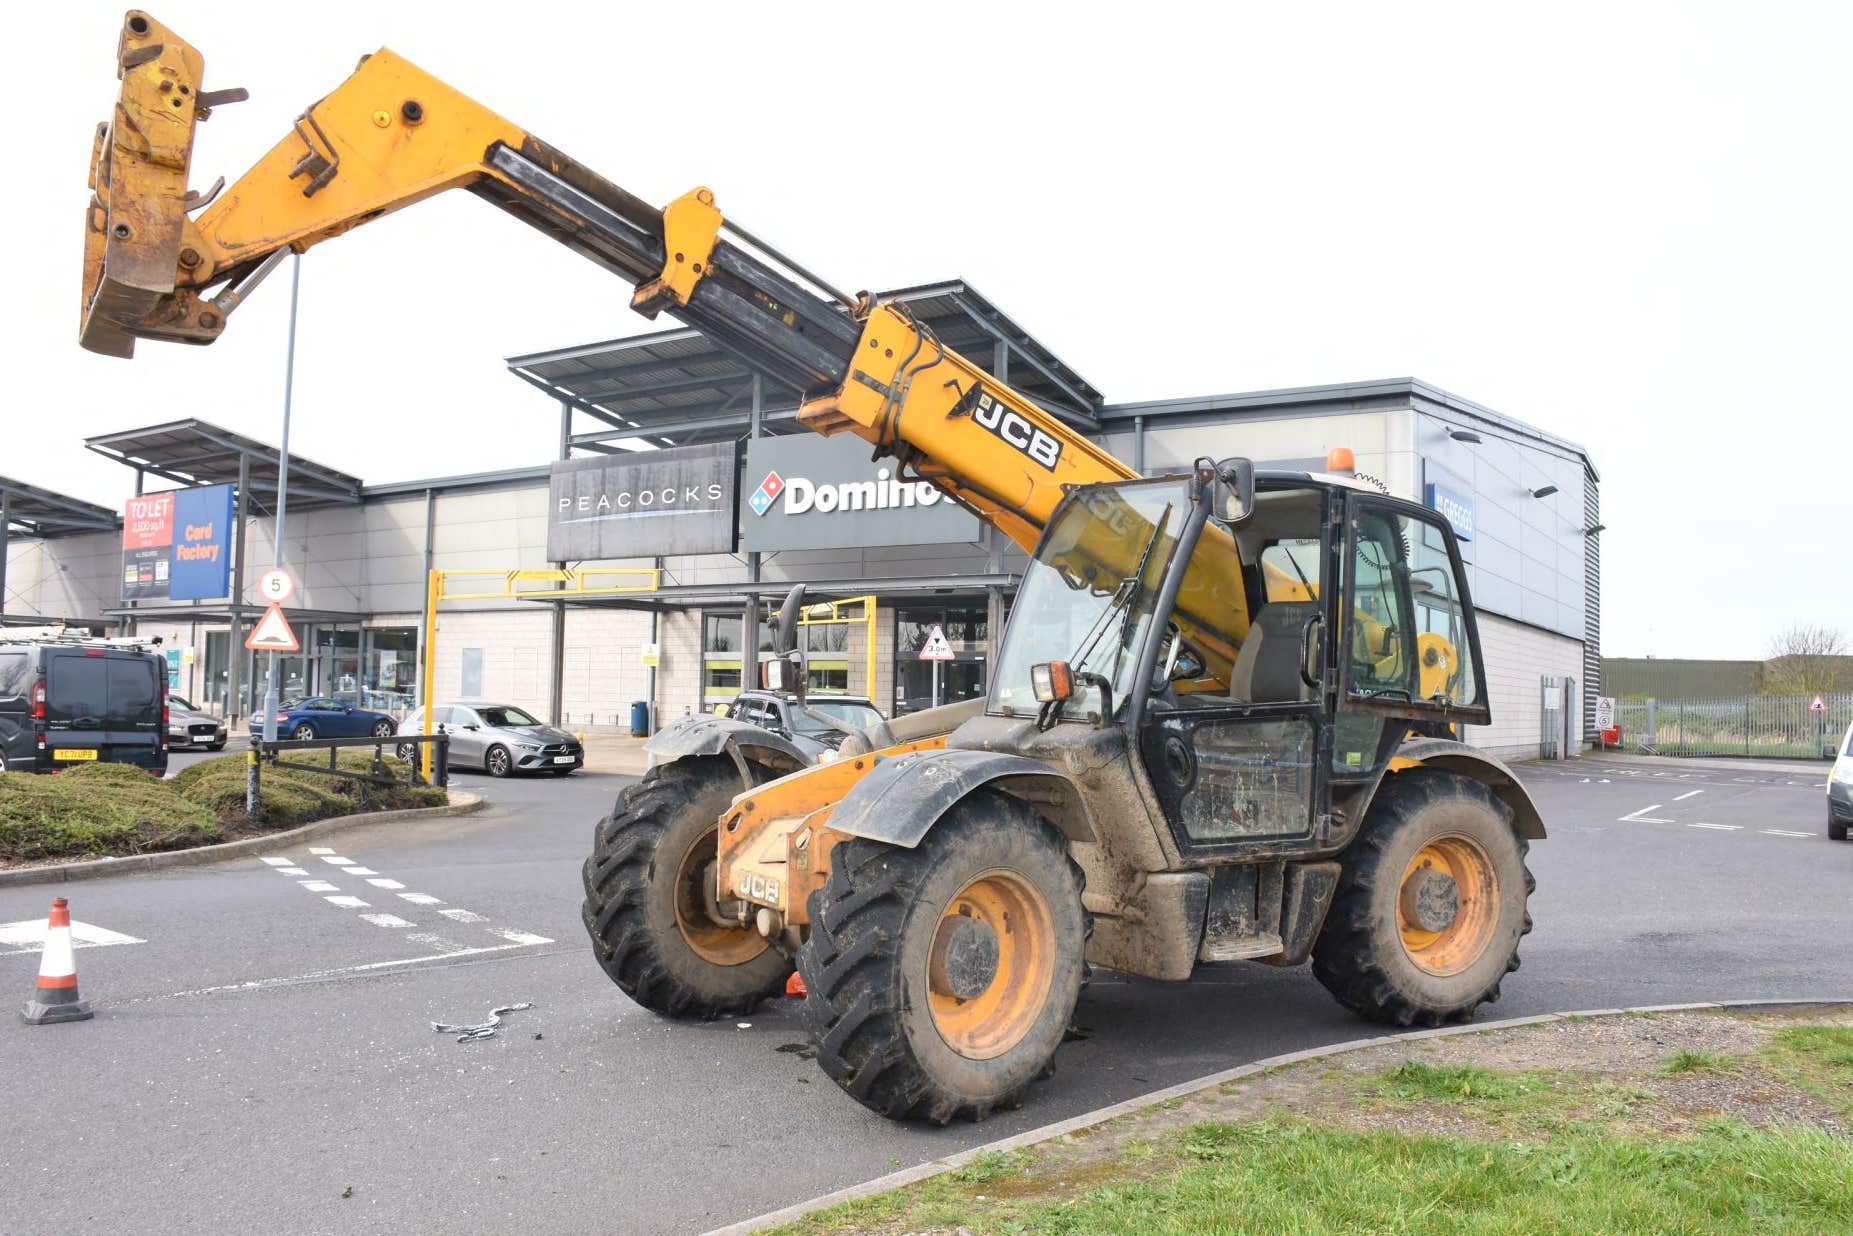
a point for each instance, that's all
(1267, 667)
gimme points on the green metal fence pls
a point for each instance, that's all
(1746, 725)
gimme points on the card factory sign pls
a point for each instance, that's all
(176, 545)
(826, 493)
(642, 504)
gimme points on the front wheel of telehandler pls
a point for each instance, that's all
(649, 890)
(941, 979)
(1431, 904)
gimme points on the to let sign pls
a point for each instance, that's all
(177, 545)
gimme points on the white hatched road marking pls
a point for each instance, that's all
(420, 899)
(337, 860)
(319, 886)
(321, 849)
(28, 936)
(385, 883)
(291, 871)
(463, 916)
(386, 920)
(323, 975)
(1688, 794)
(1723, 828)
(361, 871)
(1641, 817)
(277, 862)
(346, 903)
(1783, 832)
(440, 943)
(519, 937)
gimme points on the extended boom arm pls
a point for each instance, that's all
(392, 135)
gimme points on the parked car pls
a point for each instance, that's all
(1840, 790)
(785, 717)
(67, 699)
(188, 726)
(498, 738)
(318, 716)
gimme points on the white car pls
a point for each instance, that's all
(1840, 790)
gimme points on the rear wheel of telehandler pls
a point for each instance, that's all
(1430, 906)
(941, 978)
(649, 893)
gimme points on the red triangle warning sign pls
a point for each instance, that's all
(1818, 705)
(272, 633)
(937, 648)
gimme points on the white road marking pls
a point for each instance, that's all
(420, 899)
(323, 975)
(386, 920)
(1641, 817)
(519, 937)
(1783, 832)
(319, 886)
(1688, 794)
(463, 916)
(337, 860)
(321, 849)
(346, 903)
(437, 942)
(1723, 828)
(28, 936)
(291, 871)
(385, 883)
(361, 871)
(277, 862)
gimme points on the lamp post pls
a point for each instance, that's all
(272, 699)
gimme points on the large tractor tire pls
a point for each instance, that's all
(941, 979)
(1431, 904)
(648, 885)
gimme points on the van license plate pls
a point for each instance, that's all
(74, 753)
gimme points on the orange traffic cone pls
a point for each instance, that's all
(57, 998)
(795, 988)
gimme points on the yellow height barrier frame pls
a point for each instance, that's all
(834, 615)
(550, 582)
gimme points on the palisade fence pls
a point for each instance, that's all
(1745, 725)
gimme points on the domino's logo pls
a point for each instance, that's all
(769, 489)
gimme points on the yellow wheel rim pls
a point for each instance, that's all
(1448, 905)
(723, 946)
(992, 964)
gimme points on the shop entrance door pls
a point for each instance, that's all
(926, 684)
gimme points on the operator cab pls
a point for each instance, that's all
(1268, 664)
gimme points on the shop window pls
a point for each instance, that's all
(829, 678)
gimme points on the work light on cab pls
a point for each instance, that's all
(1052, 681)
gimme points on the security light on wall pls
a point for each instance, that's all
(1465, 435)
(1545, 492)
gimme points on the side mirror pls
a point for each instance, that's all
(785, 634)
(1235, 490)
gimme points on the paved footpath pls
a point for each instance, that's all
(262, 1052)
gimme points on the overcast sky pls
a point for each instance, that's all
(1626, 224)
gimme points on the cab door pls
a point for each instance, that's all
(1409, 650)
(1243, 764)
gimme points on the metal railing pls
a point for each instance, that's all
(378, 771)
(1769, 726)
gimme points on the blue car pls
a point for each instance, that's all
(321, 717)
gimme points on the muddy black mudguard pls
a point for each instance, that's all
(1458, 757)
(900, 799)
(739, 741)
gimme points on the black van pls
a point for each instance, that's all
(68, 701)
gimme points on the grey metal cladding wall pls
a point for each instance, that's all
(1592, 605)
(1526, 560)
(643, 504)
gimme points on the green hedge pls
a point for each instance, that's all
(112, 809)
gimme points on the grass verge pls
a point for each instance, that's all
(1450, 1145)
(110, 809)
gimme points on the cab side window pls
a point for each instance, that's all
(1408, 627)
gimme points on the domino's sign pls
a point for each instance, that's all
(1458, 511)
(827, 493)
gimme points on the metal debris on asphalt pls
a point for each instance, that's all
(482, 1030)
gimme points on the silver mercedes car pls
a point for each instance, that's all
(500, 739)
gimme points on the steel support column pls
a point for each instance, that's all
(556, 668)
(234, 643)
(749, 626)
(6, 533)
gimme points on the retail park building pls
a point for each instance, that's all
(669, 546)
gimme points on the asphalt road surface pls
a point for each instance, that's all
(263, 1056)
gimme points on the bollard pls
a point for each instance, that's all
(440, 764)
(251, 787)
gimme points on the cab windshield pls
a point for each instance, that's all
(1088, 595)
